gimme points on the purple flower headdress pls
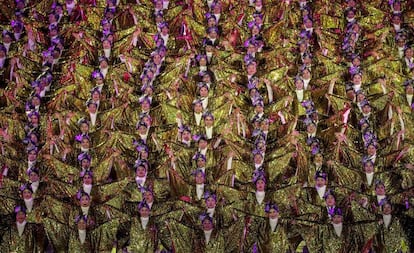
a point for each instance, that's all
(140, 124)
(369, 137)
(145, 86)
(183, 128)
(252, 24)
(383, 202)
(366, 161)
(337, 211)
(82, 193)
(80, 137)
(143, 99)
(320, 174)
(83, 121)
(373, 142)
(252, 83)
(141, 163)
(208, 114)
(102, 58)
(90, 102)
(249, 59)
(16, 23)
(329, 192)
(3, 48)
(258, 102)
(81, 217)
(408, 82)
(257, 152)
(163, 25)
(32, 170)
(269, 206)
(208, 195)
(353, 70)
(201, 56)
(82, 156)
(143, 204)
(205, 216)
(33, 113)
(140, 146)
(85, 172)
(363, 121)
(198, 137)
(7, 33)
(53, 27)
(379, 182)
(18, 209)
(198, 156)
(201, 85)
(211, 16)
(315, 149)
(26, 186)
(97, 73)
(259, 174)
(197, 172)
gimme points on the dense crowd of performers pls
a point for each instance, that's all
(207, 126)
